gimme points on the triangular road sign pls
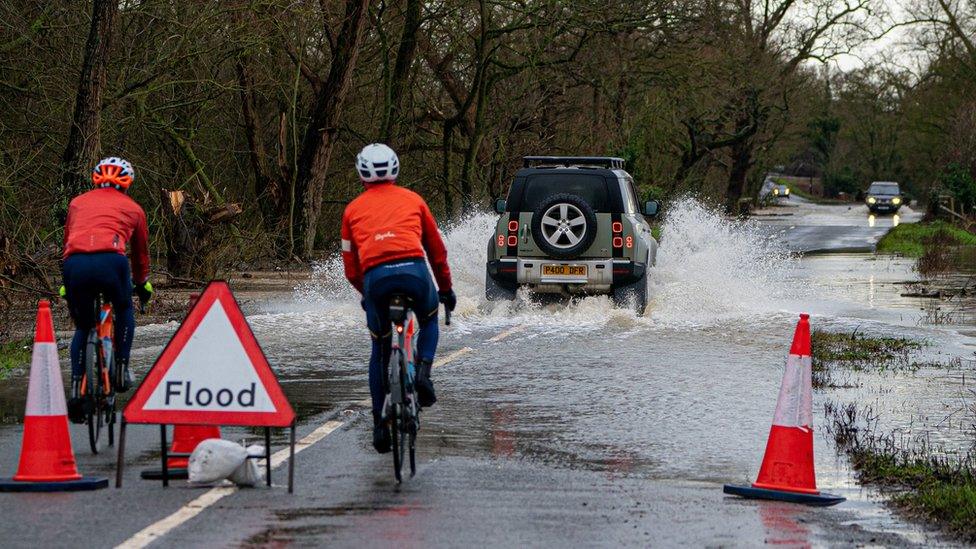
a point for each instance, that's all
(212, 372)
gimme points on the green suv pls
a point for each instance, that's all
(572, 226)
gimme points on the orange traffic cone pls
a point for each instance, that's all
(787, 471)
(185, 440)
(47, 463)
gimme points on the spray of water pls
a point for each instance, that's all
(709, 269)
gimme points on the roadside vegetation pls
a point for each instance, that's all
(921, 482)
(913, 239)
(837, 353)
(14, 354)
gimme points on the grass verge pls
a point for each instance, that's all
(938, 488)
(14, 354)
(858, 352)
(913, 239)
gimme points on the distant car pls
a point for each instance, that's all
(771, 190)
(572, 226)
(883, 196)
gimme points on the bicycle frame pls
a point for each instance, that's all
(403, 346)
(106, 331)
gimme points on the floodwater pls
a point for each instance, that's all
(685, 392)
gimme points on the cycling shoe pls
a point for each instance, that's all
(127, 381)
(425, 387)
(77, 410)
(381, 435)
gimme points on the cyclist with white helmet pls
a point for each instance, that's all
(387, 233)
(100, 222)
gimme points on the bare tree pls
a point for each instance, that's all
(84, 137)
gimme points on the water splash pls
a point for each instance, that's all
(709, 268)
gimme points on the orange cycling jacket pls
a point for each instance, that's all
(387, 223)
(103, 220)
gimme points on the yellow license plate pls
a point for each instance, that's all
(564, 270)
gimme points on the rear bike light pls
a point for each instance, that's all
(513, 226)
(617, 227)
(618, 242)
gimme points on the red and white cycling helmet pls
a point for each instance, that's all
(377, 162)
(113, 172)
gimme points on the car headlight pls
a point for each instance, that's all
(787, 191)
(872, 200)
(776, 191)
(896, 201)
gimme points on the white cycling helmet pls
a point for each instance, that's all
(377, 162)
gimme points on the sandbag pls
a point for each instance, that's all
(249, 473)
(214, 459)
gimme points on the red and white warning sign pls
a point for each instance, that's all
(212, 372)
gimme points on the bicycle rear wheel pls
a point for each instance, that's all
(395, 433)
(92, 391)
(413, 451)
(110, 423)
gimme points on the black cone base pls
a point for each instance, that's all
(82, 484)
(819, 500)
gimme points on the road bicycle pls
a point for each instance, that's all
(401, 408)
(101, 376)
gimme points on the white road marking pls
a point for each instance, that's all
(507, 333)
(162, 527)
(451, 357)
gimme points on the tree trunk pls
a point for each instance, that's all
(741, 154)
(83, 140)
(320, 137)
(401, 70)
(446, 168)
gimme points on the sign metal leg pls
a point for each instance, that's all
(267, 454)
(165, 455)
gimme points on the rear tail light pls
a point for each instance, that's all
(618, 242)
(617, 227)
(513, 226)
(630, 242)
(501, 240)
(513, 241)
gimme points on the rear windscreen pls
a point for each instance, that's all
(591, 188)
(883, 188)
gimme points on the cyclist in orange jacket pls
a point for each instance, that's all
(100, 223)
(387, 232)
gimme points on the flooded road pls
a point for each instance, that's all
(581, 423)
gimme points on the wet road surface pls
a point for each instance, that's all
(817, 228)
(555, 424)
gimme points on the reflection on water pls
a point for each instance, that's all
(784, 524)
(873, 220)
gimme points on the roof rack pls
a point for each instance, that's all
(598, 161)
